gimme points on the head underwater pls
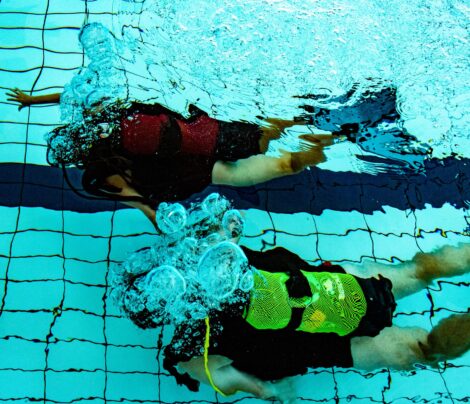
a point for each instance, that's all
(91, 102)
(70, 144)
(193, 269)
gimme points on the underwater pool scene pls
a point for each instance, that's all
(386, 191)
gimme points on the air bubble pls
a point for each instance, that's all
(171, 217)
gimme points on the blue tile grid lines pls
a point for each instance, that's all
(62, 341)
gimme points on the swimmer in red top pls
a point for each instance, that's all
(144, 154)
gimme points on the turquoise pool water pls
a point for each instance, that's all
(62, 340)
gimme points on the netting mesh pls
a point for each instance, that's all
(60, 339)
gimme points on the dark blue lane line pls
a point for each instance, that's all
(43, 188)
(444, 181)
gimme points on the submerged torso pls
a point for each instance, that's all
(289, 325)
(147, 134)
(335, 303)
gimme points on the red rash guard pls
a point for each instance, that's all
(199, 136)
(142, 134)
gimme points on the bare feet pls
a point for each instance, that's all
(313, 151)
(448, 340)
(444, 262)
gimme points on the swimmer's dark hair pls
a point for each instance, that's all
(142, 320)
(60, 152)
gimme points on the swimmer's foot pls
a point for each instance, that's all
(318, 140)
(447, 261)
(312, 153)
(303, 159)
(448, 340)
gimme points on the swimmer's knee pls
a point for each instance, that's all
(286, 164)
(427, 267)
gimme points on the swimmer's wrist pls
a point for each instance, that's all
(44, 99)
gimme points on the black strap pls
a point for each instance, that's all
(297, 285)
(171, 139)
(295, 319)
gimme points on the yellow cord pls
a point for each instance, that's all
(206, 359)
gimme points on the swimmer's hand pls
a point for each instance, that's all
(25, 100)
(16, 95)
(282, 390)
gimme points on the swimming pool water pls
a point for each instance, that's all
(62, 341)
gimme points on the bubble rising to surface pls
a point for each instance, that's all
(220, 268)
(171, 218)
(215, 205)
(233, 223)
(166, 281)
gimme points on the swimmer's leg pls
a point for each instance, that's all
(395, 347)
(261, 168)
(411, 276)
(252, 170)
(400, 348)
(274, 130)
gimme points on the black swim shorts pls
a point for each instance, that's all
(380, 306)
(237, 140)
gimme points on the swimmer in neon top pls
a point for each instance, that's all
(245, 318)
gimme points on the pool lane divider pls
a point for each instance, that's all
(312, 191)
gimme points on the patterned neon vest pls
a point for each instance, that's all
(336, 303)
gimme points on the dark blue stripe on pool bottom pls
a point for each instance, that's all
(43, 187)
(444, 181)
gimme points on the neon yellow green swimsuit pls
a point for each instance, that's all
(336, 304)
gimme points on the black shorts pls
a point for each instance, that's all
(237, 140)
(380, 306)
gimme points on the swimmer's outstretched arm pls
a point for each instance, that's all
(25, 100)
(230, 380)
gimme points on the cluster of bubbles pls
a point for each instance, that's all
(70, 144)
(92, 103)
(102, 81)
(193, 268)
